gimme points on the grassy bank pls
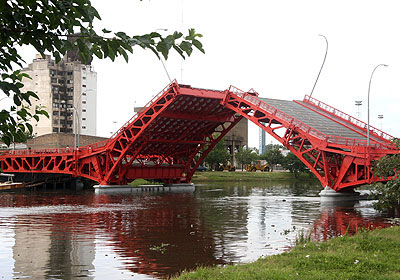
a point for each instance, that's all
(367, 255)
(139, 182)
(219, 176)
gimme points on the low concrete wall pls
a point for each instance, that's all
(60, 140)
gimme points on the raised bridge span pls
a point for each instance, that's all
(170, 137)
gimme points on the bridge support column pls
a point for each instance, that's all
(328, 194)
(144, 188)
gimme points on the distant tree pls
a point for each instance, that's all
(48, 26)
(273, 156)
(388, 194)
(292, 163)
(218, 155)
(273, 147)
(246, 156)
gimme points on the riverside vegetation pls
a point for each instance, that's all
(366, 255)
(223, 176)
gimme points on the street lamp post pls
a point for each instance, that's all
(358, 104)
(77, 131)
(369, 89)
(161, 59)
(323, 62)
(380, 117)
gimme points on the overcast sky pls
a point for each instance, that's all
(271, 46)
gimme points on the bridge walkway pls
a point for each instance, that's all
(319, 119)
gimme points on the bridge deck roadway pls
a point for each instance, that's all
(319, 120)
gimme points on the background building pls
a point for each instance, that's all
(67, 90)
(237, 137)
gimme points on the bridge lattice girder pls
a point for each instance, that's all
(166, 140)
(338, 162)
(174, 132)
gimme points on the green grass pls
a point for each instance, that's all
(139, 182)
(218, 176)
(367, 255)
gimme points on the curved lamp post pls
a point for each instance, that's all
(323, 62)
(161, 59)
(78, 125)
(369, 89)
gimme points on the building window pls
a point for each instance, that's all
(84, 78)
(55, 113)
(55, 122)
(69, 73)
(83, 85)
(83, 119)
(55, 130)
(83, 127)
(83, 110)
(83, 102)
(53, 80)
(61, 81)
(84, 93)
(69, 81)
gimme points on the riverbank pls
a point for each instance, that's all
(238, 176)
(367, 255)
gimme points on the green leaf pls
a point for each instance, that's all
(30, 128)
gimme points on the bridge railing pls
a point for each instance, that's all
(302, 126)
(347, 117)
(90, 146)
(35, 152)
(131, 120)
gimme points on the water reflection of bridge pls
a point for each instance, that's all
(76, 234)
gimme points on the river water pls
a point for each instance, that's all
(71, 234)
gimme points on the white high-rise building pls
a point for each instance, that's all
(67, 90)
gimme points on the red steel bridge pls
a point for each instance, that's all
(170, 137)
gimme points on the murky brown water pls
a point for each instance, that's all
(66, 235)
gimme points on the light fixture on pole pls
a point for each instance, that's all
(323, 62)
(369, 89)
(380, 117)
(358, 104)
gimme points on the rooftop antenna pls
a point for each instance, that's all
(320, 70)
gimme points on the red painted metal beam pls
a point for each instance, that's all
(337, 162)
(176, 130)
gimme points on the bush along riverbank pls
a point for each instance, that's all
(238, 176)
(366, 255)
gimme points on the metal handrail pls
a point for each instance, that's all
(94, 145)
(347, 117)
(131, 120)
(304, 127)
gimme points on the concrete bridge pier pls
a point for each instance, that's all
(144, 188)
(328, 194)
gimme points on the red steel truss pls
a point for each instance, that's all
(167, 140)
(338, 162)
(176, 130)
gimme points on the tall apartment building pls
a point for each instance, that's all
(67, 90)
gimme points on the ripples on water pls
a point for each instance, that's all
(61, 235)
